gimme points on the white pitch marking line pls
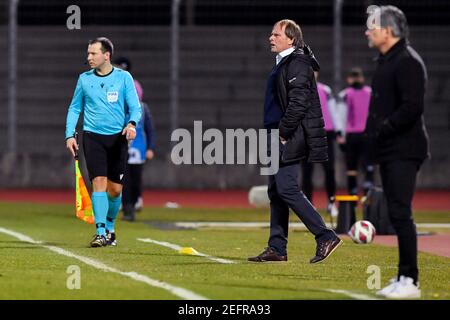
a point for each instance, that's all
(266, 225)
(199, 224)
(357, 296)
(178, 291)
(178, 248)
(433, 225)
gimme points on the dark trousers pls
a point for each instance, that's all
(399, 179)
(328, 168)
(132, 187)
(284, 193)
(356, 153)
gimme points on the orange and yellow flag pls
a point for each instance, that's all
(83, 200)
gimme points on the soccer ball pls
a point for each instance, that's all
(257, 196)
(362, 232)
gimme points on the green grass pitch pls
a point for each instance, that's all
(31, 271)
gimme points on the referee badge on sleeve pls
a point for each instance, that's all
(112, 96)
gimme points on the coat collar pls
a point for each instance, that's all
(284, 54)
(305, 54)
(396, 48)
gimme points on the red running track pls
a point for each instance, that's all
(438, 244)
(423, 200)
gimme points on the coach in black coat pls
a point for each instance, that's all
(395, 123)
(396, 132)
(302, 124)
(292, 106)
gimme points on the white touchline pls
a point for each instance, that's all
(179, 292)
(299, 225)
(178, 248)
(433, 225)
(232, 224)
(357, 296)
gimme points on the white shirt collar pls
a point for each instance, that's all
(283, 54)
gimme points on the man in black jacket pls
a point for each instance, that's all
(397, 135)
(292, 106)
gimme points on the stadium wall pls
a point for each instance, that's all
(223, 73)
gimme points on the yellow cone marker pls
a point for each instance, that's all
(189, 251)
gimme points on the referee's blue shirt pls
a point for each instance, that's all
(108, 102)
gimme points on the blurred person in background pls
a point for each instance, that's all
(140, 150)
(333, 127)
(355, 100)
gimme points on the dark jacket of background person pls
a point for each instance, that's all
(395, 125)
(302, 124)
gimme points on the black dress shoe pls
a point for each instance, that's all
(268, 255)
(325, 249)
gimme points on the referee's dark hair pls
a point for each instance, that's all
(107, 45)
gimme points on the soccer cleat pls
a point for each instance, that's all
(139, 204)
(98, 241)
(332, 209)
(325, 249)
(392, 284)
(404, 289)
(111, 238)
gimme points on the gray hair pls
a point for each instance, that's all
(395, 19)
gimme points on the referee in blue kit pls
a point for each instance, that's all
(108, 99)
